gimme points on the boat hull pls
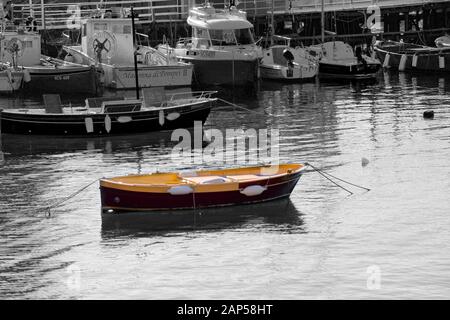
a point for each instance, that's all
(149, 76)
(68, 80)
(116, 200)
(103, 124)
(285, 73)
(211, 72)
(10, 81)
(421, 62)
(357, 71)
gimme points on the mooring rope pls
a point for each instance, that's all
(326, 174)
(243, 108)
(60, 202)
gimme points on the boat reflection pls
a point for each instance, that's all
(20, 145)
(281, 214)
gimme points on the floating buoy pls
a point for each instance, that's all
(429, 114)
(255, 190)
(364, 161)
(180, 190)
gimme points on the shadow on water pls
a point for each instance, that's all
(281, 214)
(19, 145)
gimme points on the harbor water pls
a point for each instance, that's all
(390, 242)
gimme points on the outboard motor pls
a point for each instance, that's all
(289, 57)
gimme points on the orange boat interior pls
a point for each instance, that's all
(202, 180)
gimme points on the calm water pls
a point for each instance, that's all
(391, 242)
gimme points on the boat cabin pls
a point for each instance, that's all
(21, 45)
(219, 28)
(110, 40)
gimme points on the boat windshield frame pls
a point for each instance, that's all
(208, 36)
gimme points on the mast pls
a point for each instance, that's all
(322, 22)
(135, 54)
(272, 24)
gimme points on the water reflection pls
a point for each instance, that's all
(280, 214)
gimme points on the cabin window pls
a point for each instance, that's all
(222, 37)
(243, 36)
(202, 37)
(84, 32)
(100, 26)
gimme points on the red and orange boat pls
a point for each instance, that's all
(198, 189)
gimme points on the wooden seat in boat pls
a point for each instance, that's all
(97, 102)
(207, 180)
(52, 103)
(154, 97)
(120, 106)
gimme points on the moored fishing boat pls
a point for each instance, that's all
(413, 57)
(47, 75)
(110, 116)
(282, 62)
(108, 44)
(198, 189)
(222, 48)
(339, 61)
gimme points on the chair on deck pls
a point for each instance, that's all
(52, 103)
(154, 97)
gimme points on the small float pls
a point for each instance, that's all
(198, 189)
(110, 116)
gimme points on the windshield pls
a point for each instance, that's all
(231, 37)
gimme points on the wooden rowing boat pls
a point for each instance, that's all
(110, 116)
(198, 189)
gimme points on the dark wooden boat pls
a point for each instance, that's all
(338, 61)
(110, 116)
(57, 76)
(412, 57)
(199, 189)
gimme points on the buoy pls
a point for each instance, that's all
(173, 116)
(89, 125)
(161, 117)
(402, 65)
(124, 119)
(429, 114)
(108, 123)
(364, 161)
(180, 190)
(441, 62)
(386, 60)
(255, 190)
(414, 60)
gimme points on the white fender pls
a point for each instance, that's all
(414, 60)
(89, 125)
(180, 190)
(441, 62)
(402, 64)
(173, 116)
(26, 75)
(386, 60)
(255, 190)
(124, 119)
(161, 117)
(108, 123)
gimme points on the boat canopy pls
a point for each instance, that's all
(223, 24)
